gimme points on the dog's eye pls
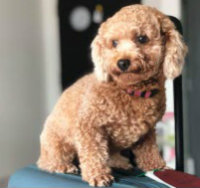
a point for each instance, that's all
(142, 39)
(114, 43)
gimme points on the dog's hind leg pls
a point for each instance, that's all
(147, 155)
(118, 161)
(56, 155)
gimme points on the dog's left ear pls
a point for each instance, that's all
(175, 50)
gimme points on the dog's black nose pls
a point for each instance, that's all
(123, 64)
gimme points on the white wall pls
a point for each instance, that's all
(22, 79)
(51, 50)
(29, 77)
(169, 7)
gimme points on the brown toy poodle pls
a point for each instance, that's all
(118, 105)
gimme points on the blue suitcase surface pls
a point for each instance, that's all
(31, 176)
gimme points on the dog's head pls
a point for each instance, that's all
(136, 44)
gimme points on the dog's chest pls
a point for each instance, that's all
(124, 135)
(131, 121)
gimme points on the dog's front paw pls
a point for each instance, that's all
(60, 168)
(102, 180)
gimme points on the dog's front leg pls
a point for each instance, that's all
(92, 145)
(147, 154)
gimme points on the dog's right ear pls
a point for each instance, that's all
(98, 60)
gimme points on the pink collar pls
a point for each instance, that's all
(143, 94)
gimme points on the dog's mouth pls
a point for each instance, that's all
(136, 81)
(150, 81)
(131, 78)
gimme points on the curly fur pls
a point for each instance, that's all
(95, 118)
